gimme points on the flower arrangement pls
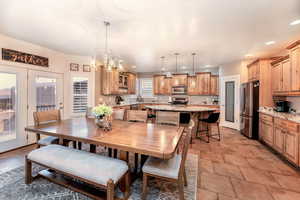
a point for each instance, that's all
(101, 111)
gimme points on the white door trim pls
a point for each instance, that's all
(236, 123)
(21, 108)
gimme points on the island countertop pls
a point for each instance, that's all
(180, 108)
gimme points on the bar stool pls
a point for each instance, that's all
(213, 118)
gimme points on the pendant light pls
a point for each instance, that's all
(176, 55)
(193, 54)
(109, 61)
(162, 63)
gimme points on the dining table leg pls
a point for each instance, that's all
(92, 148)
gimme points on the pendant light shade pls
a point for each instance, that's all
(193, 54)
(176, 60)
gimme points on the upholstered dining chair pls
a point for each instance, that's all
(169, 170)
(44, 117)
(164, 117)
(137, 115)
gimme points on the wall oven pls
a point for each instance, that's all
(179, 90)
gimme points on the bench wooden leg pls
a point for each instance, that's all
(127, 185)
(145, 185)
(28, 171)
(110, 190)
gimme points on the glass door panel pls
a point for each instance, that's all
(46, 98)
(8, 107)
(229, 101)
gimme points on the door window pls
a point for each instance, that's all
(45, 94)
(229, 101)
(8, 84)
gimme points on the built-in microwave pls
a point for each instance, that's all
(179, 90)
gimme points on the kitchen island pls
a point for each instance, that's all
(182, 108)
(195, 111)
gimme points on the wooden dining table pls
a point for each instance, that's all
(147, 139)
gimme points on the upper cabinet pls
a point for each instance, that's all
(131, 83)
(203, 83)
(294, 53)
(253, 71)
(286, 73)
(115, 82)
(214, 85)
(261, 70)
(158, 84)
(179, 80)
(192, 88)
(110, 81)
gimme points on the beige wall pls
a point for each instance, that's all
(58, 63)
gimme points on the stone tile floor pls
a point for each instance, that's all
(241, 169)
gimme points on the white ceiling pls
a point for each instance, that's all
(219, 31)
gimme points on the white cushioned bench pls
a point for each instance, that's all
(92, 168)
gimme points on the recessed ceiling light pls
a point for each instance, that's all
(296, 22)
(270, 42)
(207, 66)
(183, 67)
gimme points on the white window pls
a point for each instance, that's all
(80, 94)
(146, 87)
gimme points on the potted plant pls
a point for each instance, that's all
(102, 114)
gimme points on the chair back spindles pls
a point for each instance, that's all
(137, 115)
(171, 118)
(46, 116)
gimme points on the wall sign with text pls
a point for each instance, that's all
(26, 58)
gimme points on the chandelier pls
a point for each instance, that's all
(110, 62)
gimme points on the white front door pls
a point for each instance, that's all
(230, 101)
(45, 92)
(13, 102)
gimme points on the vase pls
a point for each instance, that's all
(103, 122)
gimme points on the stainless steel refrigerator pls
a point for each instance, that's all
(249, 109)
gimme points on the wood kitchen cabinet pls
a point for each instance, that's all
(281, 75)
(278, 138)
(294, 53)
(158, 84)
(253, 71)
(192, 88)
(266, 129)
(131, 83)
(179, 80)
(282, 135)
(214, 85)
(167, 89)
(203, 83)
(291, 149)
(110, 81)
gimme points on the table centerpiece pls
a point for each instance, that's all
(102, 115)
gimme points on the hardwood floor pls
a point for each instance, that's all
(234, 169)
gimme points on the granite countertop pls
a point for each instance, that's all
(161, 103)
(188, 108)
(286, 116)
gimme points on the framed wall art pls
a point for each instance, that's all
(74, 67)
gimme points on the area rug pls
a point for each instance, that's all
(12, 187)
